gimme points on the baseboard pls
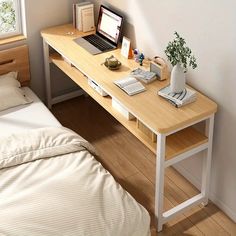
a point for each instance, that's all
(223, 207)
(197, 183)
(67, 96)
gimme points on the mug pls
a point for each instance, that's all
(112, 62)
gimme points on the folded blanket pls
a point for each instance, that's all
(40, 143)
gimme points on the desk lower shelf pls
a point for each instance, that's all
(176, 143)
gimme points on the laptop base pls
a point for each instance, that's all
(89, 47)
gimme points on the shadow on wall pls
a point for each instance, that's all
(139, 25)
(39, 17)
(128, 28)
(129, 32)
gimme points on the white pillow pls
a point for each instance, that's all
(11, 97)
(9, 79)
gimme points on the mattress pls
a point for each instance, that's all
(24, 117)
(51, 184)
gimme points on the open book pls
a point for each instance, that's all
(130, 85)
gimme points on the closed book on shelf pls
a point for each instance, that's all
(87, 19)
(74, 14)
(79, 8)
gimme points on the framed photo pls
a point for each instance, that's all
(126, 50)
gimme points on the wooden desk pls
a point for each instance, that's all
(176, 138)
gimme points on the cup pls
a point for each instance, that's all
(112, 62)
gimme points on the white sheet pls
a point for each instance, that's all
(24, 117)
(51, 185)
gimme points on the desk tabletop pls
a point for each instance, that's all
(148, 107)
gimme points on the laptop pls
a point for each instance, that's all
(107, 35)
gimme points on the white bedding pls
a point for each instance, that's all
(30, 116)
(51, 185)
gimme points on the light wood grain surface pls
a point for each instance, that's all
(12, 39)
(148, 107)
(16, 59)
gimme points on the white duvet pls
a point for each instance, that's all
(50, 184)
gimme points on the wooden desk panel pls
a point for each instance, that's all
(152, 110)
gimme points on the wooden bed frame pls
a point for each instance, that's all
(16, 59)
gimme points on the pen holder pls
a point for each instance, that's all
(159, 66)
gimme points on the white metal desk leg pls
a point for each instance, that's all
(47, 74)
(160, 172)
(206, 169)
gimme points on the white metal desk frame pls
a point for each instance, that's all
(161, 164)
(53, 100)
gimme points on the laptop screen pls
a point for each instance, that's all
(109, 24)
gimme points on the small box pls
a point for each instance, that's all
(67, 61)
(96, 87)
(122, 110)
(159, 67)
(146, 131)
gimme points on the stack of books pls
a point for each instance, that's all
(178, 99)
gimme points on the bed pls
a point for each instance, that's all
(24, 117)
(51, 182)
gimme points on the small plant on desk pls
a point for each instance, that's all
(180, 57)
(178, 53)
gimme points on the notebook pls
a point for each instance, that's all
(107, 35)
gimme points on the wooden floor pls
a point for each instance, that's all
(133, 166)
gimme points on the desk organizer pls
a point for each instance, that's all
(143, 128)
(122, 110)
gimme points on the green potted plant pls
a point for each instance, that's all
(181, 58)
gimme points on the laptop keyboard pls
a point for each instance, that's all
(98, 42)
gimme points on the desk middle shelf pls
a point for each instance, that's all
(176, 144)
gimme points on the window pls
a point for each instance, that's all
(10, 18)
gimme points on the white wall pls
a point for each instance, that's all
(209, 29)
(39, 15)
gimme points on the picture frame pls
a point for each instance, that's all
(126, 50)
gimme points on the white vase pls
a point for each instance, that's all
(177, 79)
